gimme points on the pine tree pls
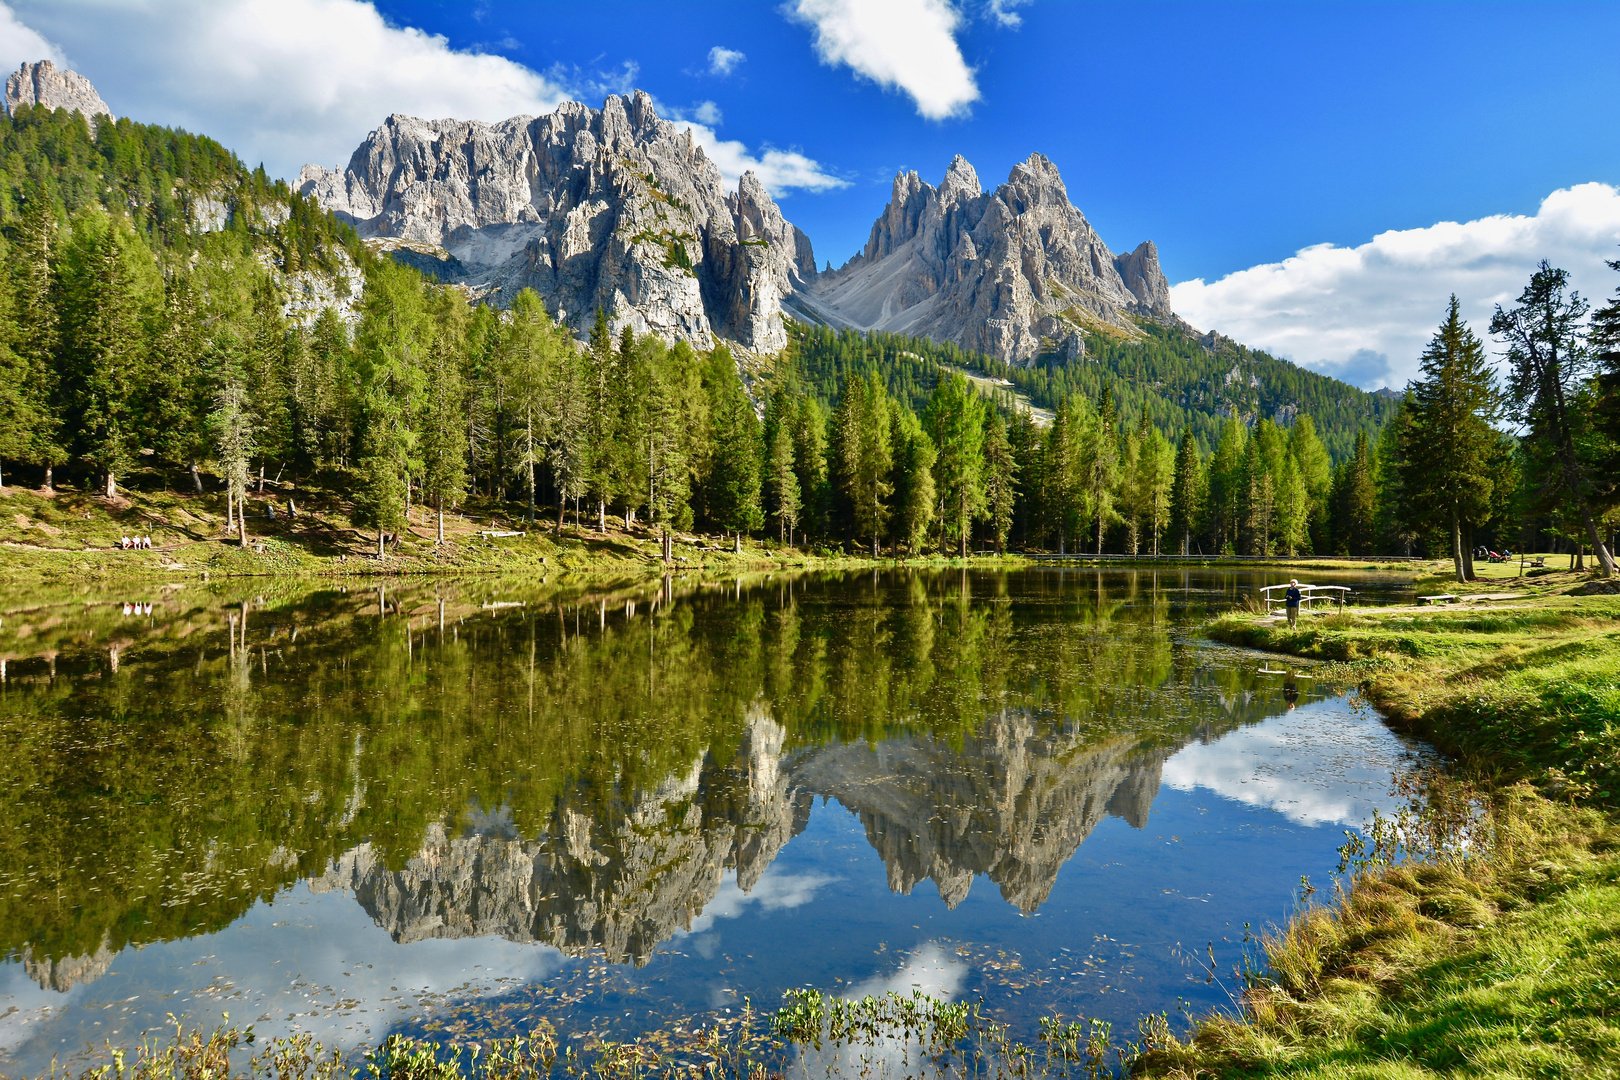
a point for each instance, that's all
(1185, 509)
(1100, 465)
(1001, 480)
(38, 344)
(863, 456)
(956, 423)
(1316, 473)
(783, 482)
(1148, 481)
(1293, 508)
(601, 421)
(912, 479)
(1442, 457)
(1223, 508)
(394, 341)
(443, 414)
(231, 427)
(734, 471)
(1547, 366)
(1356, 502)
(110, 348)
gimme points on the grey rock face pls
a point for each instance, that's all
(620, 884)
(70, 971)
(612, 208)
(42, 83)
(1009, 272)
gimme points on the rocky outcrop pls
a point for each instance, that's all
(1011, 804)
(611, 208)
(619, 883)
(42, 83)
(64, 974)
(1013, 272)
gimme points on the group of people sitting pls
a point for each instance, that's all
(1483, 552)
(137, 609)
(136, 543)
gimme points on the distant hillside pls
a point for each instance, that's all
(1179, 379)
(178, 190)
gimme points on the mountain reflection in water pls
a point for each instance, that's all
(584, 767)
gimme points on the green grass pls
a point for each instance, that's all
(1499, 961)
(1494, 957)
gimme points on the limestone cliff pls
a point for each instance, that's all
(1011, 272)
(43, 83)
(613, 208)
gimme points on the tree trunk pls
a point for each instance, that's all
(441, 520)
(196, 479)
(601, 515)
(112, 484)
(230, 511)
(738, 548)
(1468, 550)
(1456, 547)
(49, 471)
(241, 522)
(261, 477)
(380, 535)
(562, 508)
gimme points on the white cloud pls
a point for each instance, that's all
(908, 44)
(781, 171)
(1365, 313)
(1003, 11)
(723, 61)
(1320, 764)
(283, 81)
(21, 44)
(289, 82)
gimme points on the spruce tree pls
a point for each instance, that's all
(912, 480)
(1443, 456)
(1185, 510)
(1001, 480)
(956, 423)
(1100, 464)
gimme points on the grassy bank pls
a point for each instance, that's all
(1479, 934)
(74, 536)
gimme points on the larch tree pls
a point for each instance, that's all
(912, 481)
(1099, 463)
(864, 456)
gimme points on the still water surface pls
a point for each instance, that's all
(451, 808)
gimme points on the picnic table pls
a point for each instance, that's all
(1308, 594)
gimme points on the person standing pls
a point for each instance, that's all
(1291, 600)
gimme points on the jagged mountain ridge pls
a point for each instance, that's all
(1009, 273)
(42, 83)
(613, 208)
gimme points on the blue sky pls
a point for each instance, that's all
(1318, 177)
(1230, 134)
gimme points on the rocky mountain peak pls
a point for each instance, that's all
(1014, 272)
(613, 208)
(43, 83)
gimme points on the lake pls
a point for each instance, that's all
(448, 808)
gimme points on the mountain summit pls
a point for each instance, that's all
(611, 208)
(42, 83)
(1012, 272)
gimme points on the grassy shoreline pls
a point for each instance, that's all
(67, 535)
(1479, 933)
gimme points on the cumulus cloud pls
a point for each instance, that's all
(21, 44)
(906, 44)
(1365, 313)
(283, 81)
(723, 61)
(289, 82)
(781, 171)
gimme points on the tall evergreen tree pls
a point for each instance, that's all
(1100, 464)
(912, 480)
(1547, 365)
(1448, 443)
(1356, 502)
(956, 423)
(864, 457)
(1000, 480)
(1185, 510)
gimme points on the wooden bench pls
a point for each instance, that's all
(1450, 598)
(1538, 562)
